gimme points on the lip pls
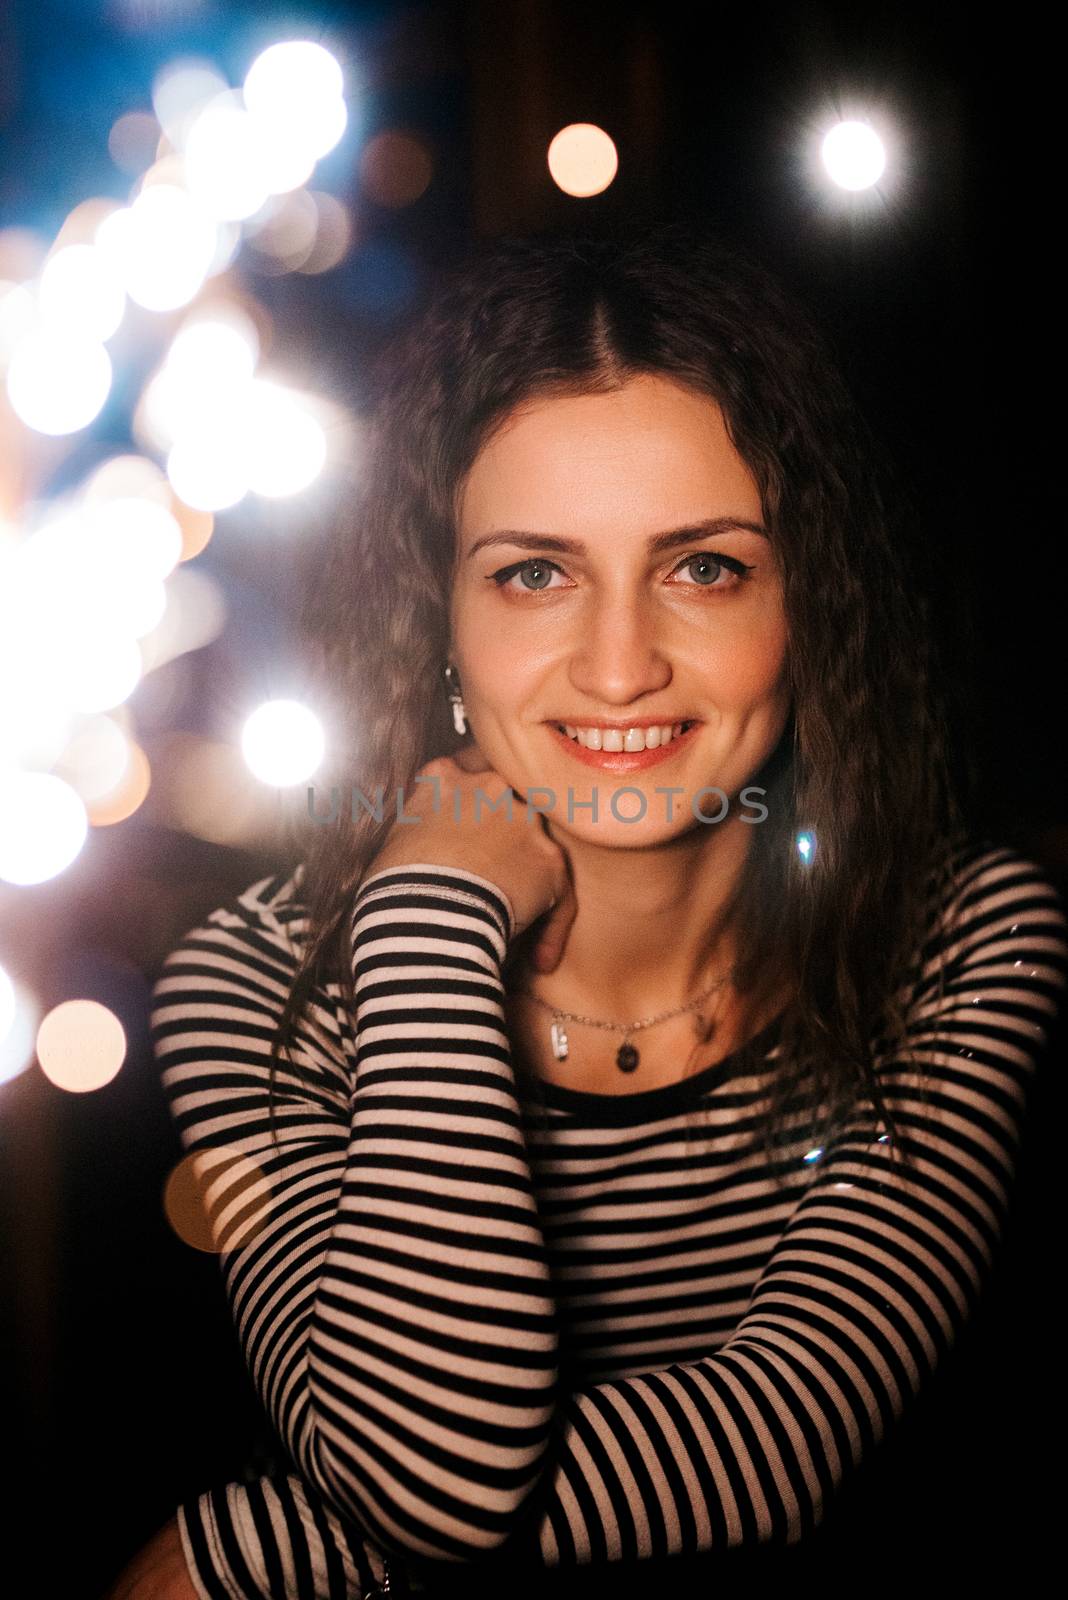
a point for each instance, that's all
(624, 760)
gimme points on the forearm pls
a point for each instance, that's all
(383, 1260)
(274, 1537)
(433, 1346)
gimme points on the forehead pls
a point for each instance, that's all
(652, 448)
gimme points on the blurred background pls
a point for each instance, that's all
(211, 214)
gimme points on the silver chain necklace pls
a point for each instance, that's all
(627, 1056)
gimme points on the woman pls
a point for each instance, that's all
(624, 1162)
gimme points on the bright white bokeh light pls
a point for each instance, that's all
(295, 88)
(293, 95)
(292, 76)
(35, 724)
(283, 742)
(806, 847)
(80, 293)
(43, 826)
(136, 535)
(204, 473)
(7, 1004)
(162, 246)
(853, 155)
(286, 447)
(251, 436)
(225, 161)
(219, 347)
(97, 671)
(83, 569)
(287, 164)
(58, 380)
(18, 1028)
(210, 356)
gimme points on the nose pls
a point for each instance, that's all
(619, 657)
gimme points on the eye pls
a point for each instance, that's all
(714, 566)
(536, 565)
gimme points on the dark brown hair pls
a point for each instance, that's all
(863, 768)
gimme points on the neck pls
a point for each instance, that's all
(652, 927)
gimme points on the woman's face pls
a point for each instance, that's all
(577, 602)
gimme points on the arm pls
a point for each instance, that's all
(385, 1270)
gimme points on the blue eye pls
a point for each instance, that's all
(543, 568)
(534, 564)
(719, 564)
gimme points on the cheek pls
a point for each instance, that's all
(744, 670)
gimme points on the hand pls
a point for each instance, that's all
(520, 857)
(157, 1572)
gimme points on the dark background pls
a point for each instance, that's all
(127, 1393)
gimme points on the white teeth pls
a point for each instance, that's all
(629, 740)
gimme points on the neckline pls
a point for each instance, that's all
(641, 1103)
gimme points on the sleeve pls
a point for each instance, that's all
(276, 1537)
(863, 1295)
(871, 1281)
(383, 1262)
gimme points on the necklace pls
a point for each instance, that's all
(627, 1056)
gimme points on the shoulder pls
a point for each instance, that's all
(260, 931)
(989, 893)
(993, 965)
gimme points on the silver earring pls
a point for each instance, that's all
(456, 699)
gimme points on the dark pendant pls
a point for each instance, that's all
(626, 1058)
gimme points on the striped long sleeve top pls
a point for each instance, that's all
(584, 1332)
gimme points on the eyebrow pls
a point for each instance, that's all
(656, 543)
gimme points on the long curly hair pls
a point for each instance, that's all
(864, 817)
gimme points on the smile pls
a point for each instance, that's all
(624, 749)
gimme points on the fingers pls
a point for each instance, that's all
(553, 937)
(470, 758)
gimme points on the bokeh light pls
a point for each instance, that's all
(226, 166)
(204, 788)
(43, 826)
(295, 89)
(853, 154)
(95, 760)
(80, 293)
(395, 168)
(283, 742)
(81, 1045)
(133, 141)
(18, 1027)
(127, 795)
(582, 160)
(217, 1201)
(161, 246)
(180, 91)
(57, 382)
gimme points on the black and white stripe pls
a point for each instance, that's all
(447, 1307)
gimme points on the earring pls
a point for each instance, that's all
(456, 699)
